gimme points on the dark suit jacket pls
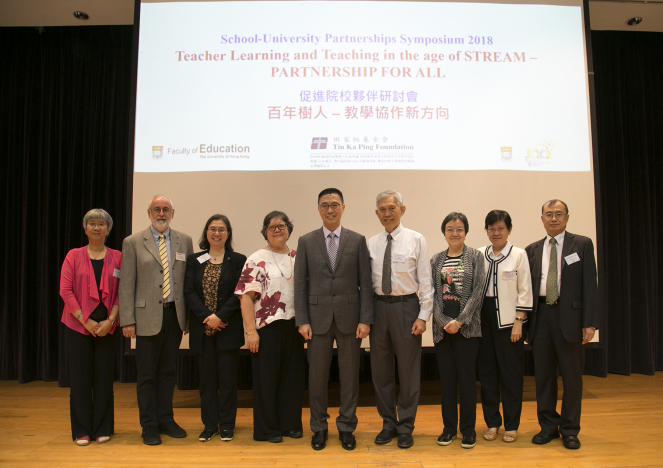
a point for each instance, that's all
(578, 292)
(227, 303)
(346, 295)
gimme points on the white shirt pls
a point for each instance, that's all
(410, 266)
(337, 239)
(490, 292)
(545, 263)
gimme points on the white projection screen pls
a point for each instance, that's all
(252, 106)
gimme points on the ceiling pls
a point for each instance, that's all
(604, 15)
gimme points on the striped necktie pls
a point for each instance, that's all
(331, 250)
(163, 253)
(552, 293)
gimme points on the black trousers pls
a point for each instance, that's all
(156, 360)
(278, 380)
(457, 362)
(91, 364)
(500, 367)
(218, 385)
(550, 351)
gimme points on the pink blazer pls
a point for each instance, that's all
(78, 287)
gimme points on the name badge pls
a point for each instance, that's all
(116, 272)
(180, 256)
(572, 258)
(509, 275)
(398, 258)
(203, 258)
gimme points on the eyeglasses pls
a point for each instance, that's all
(391, 210)
(558, 215)
(220, 231)
(280, 227)
(501, 230)
(156, 211)
(333, 206)
(457, 231)
(99, 225)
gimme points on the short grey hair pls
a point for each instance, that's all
(172, 207)
(389, 193)
(98, 213)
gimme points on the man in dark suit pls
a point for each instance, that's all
(333, 301)
(152, 309)
(563, 319)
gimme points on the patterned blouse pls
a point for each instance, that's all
(271, 277)
(211, 277)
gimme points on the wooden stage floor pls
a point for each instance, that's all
(622, 425)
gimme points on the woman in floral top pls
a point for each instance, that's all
(266, 290)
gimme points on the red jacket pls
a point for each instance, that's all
(78, 287)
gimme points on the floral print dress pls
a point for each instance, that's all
(271, 277)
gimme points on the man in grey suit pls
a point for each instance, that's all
(563, 319)
(333, 301)
(153, 310)
(401, 269)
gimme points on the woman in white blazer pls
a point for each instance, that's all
(508, 299)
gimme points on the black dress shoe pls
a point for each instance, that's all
(405, 441)
(543, 437)
(227, 435)
(385, 436)
(319, 440)
(172, 429)
(275, 439)
(469, 441)
(445, 438)
(206, 435)
(150, 436)
(347, 439)
(571, 442)
(294, 434)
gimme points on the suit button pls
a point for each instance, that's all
(333, 295)
(160, 271)
(220, 282)
(333, 278)
(159, 302)
(161, 285)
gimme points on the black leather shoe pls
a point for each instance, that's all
(445, 438)
(275, 439)
(405, 441)
(348, 441)
(319, 440)
(171, 429)
(206, 435)
(543, 437)
(571, 442)
(150, 436)
(227, 435)
(468, 441)
(294, 434)
(385, 436)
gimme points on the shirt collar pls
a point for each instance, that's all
(336, 231)
(505, 251)
(559, 238)
(394, 233)
(156, 234)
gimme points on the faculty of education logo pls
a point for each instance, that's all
(157, 152)
(507, 153)
(319, 143)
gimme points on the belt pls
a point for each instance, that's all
(392, 299)
(172, 304)
(542, 300)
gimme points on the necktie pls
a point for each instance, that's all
(551, 283)
(386, 268)
(331, 250)
(163, 253)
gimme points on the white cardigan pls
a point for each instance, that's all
(509, 276)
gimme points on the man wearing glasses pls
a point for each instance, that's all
(333, 302)
(152, 309)
(563, 319)
(400, 269)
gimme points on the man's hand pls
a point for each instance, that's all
(129, 331)
(587, 334)
(363, 329)
(305, 331)
(419, 327)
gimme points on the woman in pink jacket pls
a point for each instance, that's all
(88, 285)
